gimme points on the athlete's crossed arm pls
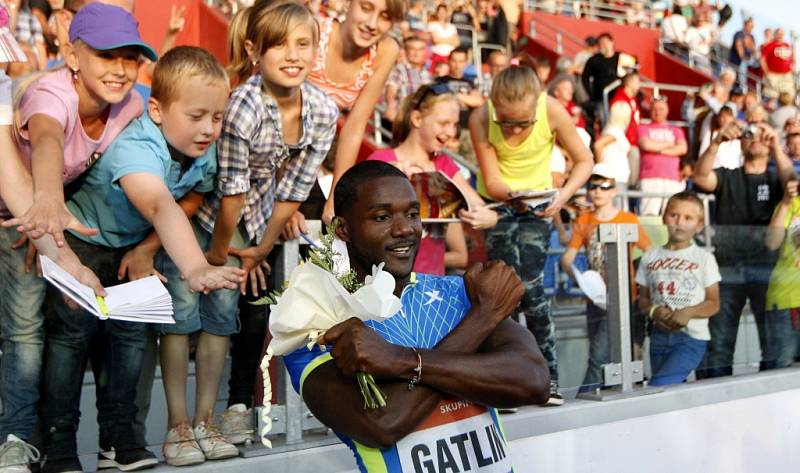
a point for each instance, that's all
(486, 359)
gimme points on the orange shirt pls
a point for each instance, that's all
(584, 234)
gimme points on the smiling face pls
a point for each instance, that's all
(684, 220)
(286, 65)
(105, 77)
(367, 22)
(383, 226)
(194, 121)
(437, 126)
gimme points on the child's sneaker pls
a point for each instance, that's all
(133, 459)
(556, 399)
(213, 443)
(180, 448)
(237, 424)
(16, 455)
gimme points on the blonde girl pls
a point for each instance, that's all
(514, 134)
(355, 59)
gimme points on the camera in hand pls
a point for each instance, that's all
(750, 131)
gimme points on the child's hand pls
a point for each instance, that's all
(210, 278)
(295, 226)
(254, 267)
(71, 264)
(661, 317)
(48, 216)
(137, 264)
(176, 20)
(555, 205)
(480, 218)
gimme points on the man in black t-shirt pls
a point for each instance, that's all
(745, 200)
(599, 71)
(469, 98)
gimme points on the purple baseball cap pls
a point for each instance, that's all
(105, 27)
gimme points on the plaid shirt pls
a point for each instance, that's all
(29, 30)
(407, 79)
(254, 160)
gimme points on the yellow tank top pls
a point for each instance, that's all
(526, 166)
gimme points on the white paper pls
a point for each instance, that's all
(592, 284)
(143, 300)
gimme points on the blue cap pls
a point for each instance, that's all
(105, 27)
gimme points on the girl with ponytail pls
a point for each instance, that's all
(514, 134)
(425, 123)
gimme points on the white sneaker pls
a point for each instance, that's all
(180, 448)
(213, 443)
(16, 455)
(237, 424)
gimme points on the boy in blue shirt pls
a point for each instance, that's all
(166, 154)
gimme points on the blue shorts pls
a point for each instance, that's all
(216, 313)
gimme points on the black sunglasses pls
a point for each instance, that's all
(603, 187)
(435, 89)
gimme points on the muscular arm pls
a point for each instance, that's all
(452, 367)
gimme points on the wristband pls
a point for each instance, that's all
(417, 371)
(652, 310)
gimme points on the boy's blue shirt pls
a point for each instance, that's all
(100, 201)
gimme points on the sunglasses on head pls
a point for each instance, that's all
(603, 187)
(435, 89)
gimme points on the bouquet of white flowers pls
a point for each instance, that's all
(315, 299)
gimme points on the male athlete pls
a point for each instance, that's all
(447, 356)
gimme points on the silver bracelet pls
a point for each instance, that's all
(417, 371)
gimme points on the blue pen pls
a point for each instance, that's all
(308, 240)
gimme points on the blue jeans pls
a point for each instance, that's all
(597, 331)
(21, 320)
(783, 339)
(673, 355)
(724, 326)
(69, 334)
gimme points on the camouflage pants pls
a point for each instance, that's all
(522, 241)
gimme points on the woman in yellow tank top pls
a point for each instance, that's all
(513, 135)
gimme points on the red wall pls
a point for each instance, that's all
(205, 27)
(640, 42)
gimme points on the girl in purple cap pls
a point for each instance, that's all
(64, 121)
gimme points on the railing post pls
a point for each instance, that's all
(532, 29)
(622, 370)
(559, 43)
(290, 256)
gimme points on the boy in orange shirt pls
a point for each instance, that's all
(601, 190)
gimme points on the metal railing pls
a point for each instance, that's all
(657, 87)
(562, 42)
(716, 64)
(616, 11)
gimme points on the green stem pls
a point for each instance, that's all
(380, 397)
(369, 402)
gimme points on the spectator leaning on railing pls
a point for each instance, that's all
(406, 76)
(745, 200)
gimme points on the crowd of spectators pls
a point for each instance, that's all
(502, 110)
